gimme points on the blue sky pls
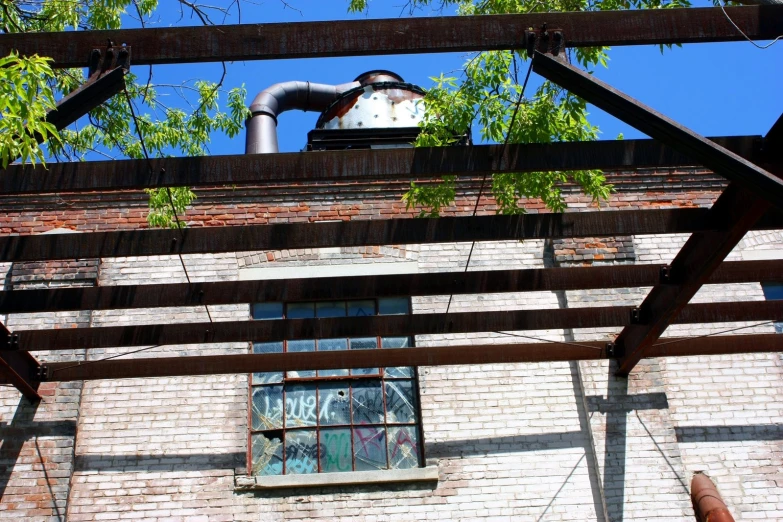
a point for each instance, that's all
(715, 89)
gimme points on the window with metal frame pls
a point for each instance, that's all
(773, 292)
(334, 420)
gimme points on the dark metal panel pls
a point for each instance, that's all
(356, 233)
(349, 165)
(401, 35)
(364, 287)
(403, 325)
(733, 214)
(722, 161)
(421, 356)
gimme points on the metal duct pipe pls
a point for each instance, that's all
(707, 502)
(261, 135)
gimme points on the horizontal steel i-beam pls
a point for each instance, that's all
(365, 287)
(419, 356)
(402, 35)
(391, 325)
(336, 166)
(281, 236)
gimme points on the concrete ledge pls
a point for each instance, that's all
(359, 478)
(323, 270)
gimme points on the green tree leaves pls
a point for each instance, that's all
(25, 98)
(28, 88)
(489, 95)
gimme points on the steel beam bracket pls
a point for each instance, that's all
(636, 316)
(106, 77)
(544, 40)
(102, 62)
(42, 373)
(666, 274)
(611, 350)
(12, 342)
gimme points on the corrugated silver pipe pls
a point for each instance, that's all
(261, 135)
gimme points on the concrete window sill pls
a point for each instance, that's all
(320, 480)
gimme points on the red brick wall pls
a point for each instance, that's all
(320, 202)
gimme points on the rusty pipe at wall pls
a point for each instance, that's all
(707, 502)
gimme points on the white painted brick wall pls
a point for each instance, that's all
(511, 442)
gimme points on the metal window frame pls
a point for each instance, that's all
(349, 381)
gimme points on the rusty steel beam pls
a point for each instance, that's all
(364, 287)
(18, 368)
(737, 210)
(771, 149)
(402, 35)
(401, 325)
(719, 159)
(752, 192)
(106, 78)
(358, 233)
(350, 165)
(420, 356)
(733, 213)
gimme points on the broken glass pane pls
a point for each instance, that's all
(367, 402)
(300, 405)
(327, 345)
(330, 309)
(267, 408)
(301, 346)
(335, 403)
(364, 343)
(397, 342)
(268, 311)
(301, 452)
(267, 377)
(403, 447)
(267, 454)
(369, 448)
(393, 306)
(335, 450)
(361, 308)
(400, 402)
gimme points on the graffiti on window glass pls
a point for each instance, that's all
(336, 420)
